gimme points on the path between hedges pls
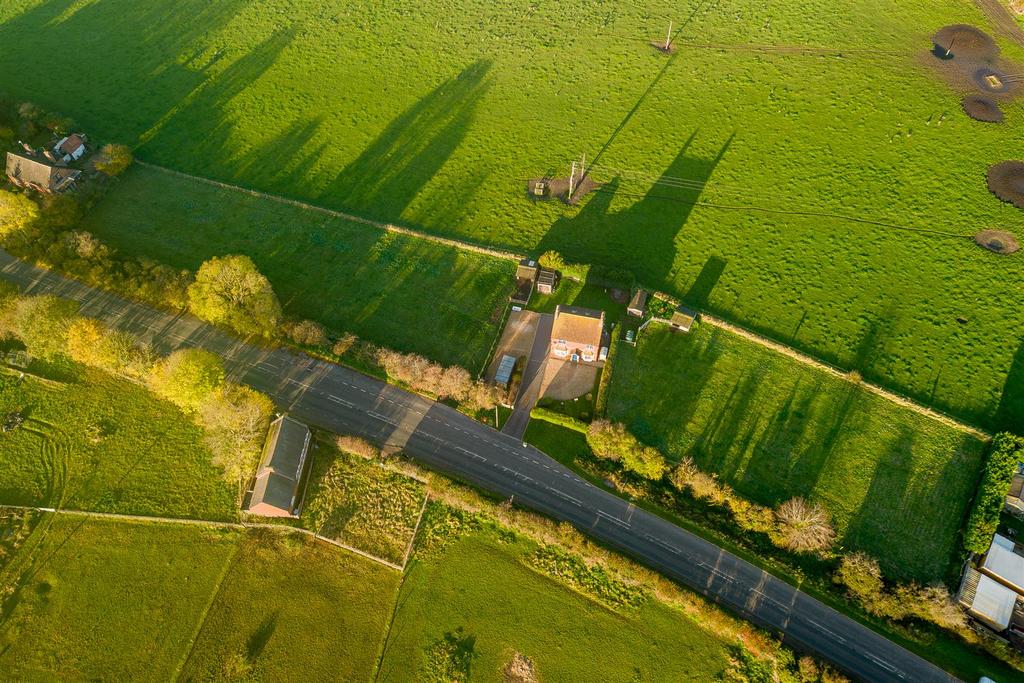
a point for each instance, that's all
(210, 523)
(749, 335)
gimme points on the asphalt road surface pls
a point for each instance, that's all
(533, 378)
(341, 400)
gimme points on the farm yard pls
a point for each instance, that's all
(402, 292)
(94, 442)
(819, 111)
(896, 483)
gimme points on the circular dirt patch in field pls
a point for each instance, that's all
(1006, 181)
(989, 80)
(998, 241)
(982, 108)
(963, 42)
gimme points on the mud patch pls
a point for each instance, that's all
(1006, 181)
(962, 42)
(542, 189)
(981, 108)
(997, 241)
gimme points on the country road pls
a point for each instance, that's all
(341, 400)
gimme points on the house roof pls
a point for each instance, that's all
(575, 325)
(284, 456)
(684, 317)
(527, 270)
(71, 143)
(1003, 564)
(639, 300)
(29, 170)
(993, 602)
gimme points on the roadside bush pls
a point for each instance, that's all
(611, 441)
(356, 446)
(592, 580)
(560, 419)
(343, 345)
(17, 212)
(423, 375)
(42, 323)
(229, 290)
(862, 576)
(187, 377)
(113, 160)
(307, 333)
(803, 526)
(92, 343)
(1003, 456)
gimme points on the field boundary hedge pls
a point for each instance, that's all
(559, 419)
(1000, 465)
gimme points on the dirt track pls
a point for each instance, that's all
(1000, 16)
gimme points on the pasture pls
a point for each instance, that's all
(405, 293)
(434, 115)
(104, 444)
(896, 483)
(145, 601)
(481, 593)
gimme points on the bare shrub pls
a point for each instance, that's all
(342, 346)
(520, 669)
(804, 526)
(356, 446)
(861, 574)
(307, 333)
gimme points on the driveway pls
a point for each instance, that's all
(516, 339)
(533, 378)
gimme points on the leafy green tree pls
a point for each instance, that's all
(1004, 454)
(113, 160)
(229, 290)
(42, 323)
(187, 377)
(611, 441)
(235, 420)
(92, 343)
(17, 213)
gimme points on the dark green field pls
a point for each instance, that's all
(405, 293)
(103, 444)
(897, 483)
(434, 116)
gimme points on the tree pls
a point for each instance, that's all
(92, 343)
(862, 576)
(235, 420)
(17, 213)
(307, 333)
(113, 160)
(187, 377)
(42, 322)
(552, 260)
(803, 526)
(611, 441)
(229, 290)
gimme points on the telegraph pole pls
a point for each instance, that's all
(572, 179)
(668, 37)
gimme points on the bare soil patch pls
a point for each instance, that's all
(997, 241)
(516, 339)
(520, 669)
(564, 380)
(1006, 181)
(558, 188)
(981, 108)
(961, 42)
(659, 45)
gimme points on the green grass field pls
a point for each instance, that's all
(402, 292)
(103, 444)
(111, 600)
(434, 115)
(294, 609)
(896, 483)
(134, 601)
(482, 592)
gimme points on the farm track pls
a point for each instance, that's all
(749, 335)
(999, 15)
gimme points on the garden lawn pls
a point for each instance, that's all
(480, 591)
(433, 115)
(362, 504)
(896, 483)
(103, 444)
(294, 609)
(397, 291)
(111, 600)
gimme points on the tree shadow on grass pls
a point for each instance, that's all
(259, 638)
(1009, 415)
(385, 179)
(642, 238)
